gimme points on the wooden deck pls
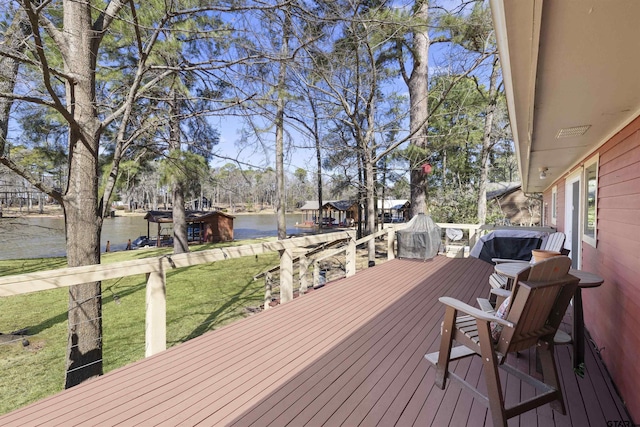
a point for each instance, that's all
(348, 354)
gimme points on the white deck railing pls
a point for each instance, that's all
(155, 270)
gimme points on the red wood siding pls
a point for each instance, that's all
(224, 230)
(219, 229)
(611, 311)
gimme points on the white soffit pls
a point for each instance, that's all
(583, 60)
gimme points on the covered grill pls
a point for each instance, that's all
(420, 239)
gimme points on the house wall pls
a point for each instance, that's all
(611, 311)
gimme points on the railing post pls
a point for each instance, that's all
(350, 262)
(316, 274)
(286, 276)
(472, 237)
(371, 251)
(304, 268)
(156, 312)
(391, 240)
(268, 286)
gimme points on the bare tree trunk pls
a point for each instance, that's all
(319, 177)
(280, 104)
(180, 243)
(83, 219)
(280, 202)
(180, 240)
(370, 188)
(361, 197)
(487, 144)
(316, 133)
(419, 108)
(77, 46)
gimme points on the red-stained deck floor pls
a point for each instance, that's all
(348, 354)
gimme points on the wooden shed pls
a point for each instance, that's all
(202, 226)
(516, 207)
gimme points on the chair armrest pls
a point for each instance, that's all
(503, 260)
(501, 295)
(501, 292)
(474, 312)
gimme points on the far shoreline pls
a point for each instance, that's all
(57, 212)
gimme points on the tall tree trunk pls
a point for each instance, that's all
(487, 144)
(370, 188)
(361, 197)
(280, 105)
(280, 201)
(83, 219)
(419, 108)
(319, 178)
(180, 240)
(316, 134)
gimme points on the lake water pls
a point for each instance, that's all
(36, 237)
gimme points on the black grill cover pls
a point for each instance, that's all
(508, 244)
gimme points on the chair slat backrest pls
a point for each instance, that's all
(542, 271)
(538, 304)
(550, 269)
(554, 242)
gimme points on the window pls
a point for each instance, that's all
(590, 220)
(554, 204)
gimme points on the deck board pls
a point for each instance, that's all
(349, 354)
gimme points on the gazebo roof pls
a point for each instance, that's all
(310, 205)
(395, 204)
(340, 205)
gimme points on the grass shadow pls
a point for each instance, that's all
(241, 298)
(62, 317)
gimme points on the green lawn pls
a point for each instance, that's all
(199, 299)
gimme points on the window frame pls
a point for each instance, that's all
(590, 236)
(554, 205)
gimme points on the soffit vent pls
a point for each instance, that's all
(574, 131)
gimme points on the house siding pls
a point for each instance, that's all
(612, 310)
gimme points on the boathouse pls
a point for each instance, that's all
(202, 226)
(334, 212)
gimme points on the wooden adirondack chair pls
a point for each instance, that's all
(536, 308)
(498, 294)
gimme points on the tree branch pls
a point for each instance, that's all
(36, 19)
(27, 175)
(459, 77)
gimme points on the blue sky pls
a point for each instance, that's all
(230, 148)
(230, 128)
